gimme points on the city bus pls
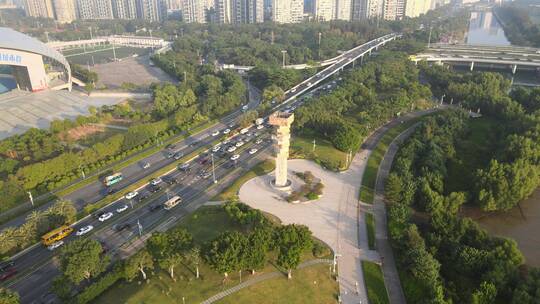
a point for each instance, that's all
(113, 179)
(56, 235)
(171, 203)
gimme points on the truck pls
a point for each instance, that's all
(171, 203)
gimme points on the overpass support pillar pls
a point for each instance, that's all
(472, 65)
(361, 59)
(514, 69)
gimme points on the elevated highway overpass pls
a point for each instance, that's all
(511, 58)
(355, 53)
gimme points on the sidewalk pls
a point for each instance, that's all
(390, 273)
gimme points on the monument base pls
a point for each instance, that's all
(286, 188)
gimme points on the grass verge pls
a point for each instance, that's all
(325, 153)
(231, 192)
(370, 225)
(376, 290)
(205, 224)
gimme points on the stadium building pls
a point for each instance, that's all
(33, 65)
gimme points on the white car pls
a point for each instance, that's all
(239, 144)
(293, 90)
(258, 141)
(55, 245)
(84, 230)
(244, 131)
(146, 165)
(225, 142)
(155, 181)
(235, 157)
(216, 148)
(105, 216)
(215, 133)
(226, 131)
(231, 149)
(253, 151)
(122, 208)
(260, 127)
(245, 107)
(131, 195)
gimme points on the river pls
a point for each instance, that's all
(484, 29)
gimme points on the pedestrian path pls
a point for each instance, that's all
(260, 278)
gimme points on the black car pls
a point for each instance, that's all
(170, 146)
(184, 167)
(120, 227)
(170, 180)
(229, 165)
(155, 188)
(111, 191)
(6, 265)
(154, 207)
(142, 197)
(98, 214)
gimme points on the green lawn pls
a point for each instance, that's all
(376, 289)
(325, 153)
(102, 55)
(309, 285)
(377, 155)
(205, 224)
(370, 224)
(472, 152)
(231, 192)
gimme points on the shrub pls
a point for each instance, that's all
(294, 196)
(319, 250)
(318, 188)
(312, 196)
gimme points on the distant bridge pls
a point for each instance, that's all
(505, 57)
(124, 40)
(376, 43)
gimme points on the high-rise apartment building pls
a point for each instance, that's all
(223, 11)
(343, 10)
(174, 5)
(39, 8)
(287, 11)
(64, 10)
(95, 9)
(367, 9)
(152, 10)
(393, 9)
(414, 8)
(125, 9)
(323, 10)
(193, 11)
(247, 11)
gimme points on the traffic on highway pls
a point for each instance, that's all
(160, 203)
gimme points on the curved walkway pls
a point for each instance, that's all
(260, 278)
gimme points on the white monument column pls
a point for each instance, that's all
(282, 121)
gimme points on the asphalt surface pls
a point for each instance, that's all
(36, 265)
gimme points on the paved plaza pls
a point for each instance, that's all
(130, 70)
(24, 110)
(333, 218)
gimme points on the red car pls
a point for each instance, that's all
(8, 273)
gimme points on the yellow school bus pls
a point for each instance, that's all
(56, 235)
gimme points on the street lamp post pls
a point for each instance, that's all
(284, 52)
(140, 227)
(31, 198)
(91, 35)
(320, 35)
(213, 169)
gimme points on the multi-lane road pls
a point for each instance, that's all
(195, 186)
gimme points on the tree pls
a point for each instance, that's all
(226, 252)
(393, 188)
(8, 296)
(292, 241)
(346, 138)
(61, 287)
(485, 294)
(248, 118)
(259, 242)
(138, 263)
(170, 248)
(194, 257)
(273, 93)
(82, 259)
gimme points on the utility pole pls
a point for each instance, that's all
(140, 227)
(429, 37)
(320, 35)
(272, 41)
(213, 169)
(91, 36)
(31, 198)
(284, 52)
(114, 52)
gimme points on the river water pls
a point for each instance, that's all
(522, 226)
(485, 29)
